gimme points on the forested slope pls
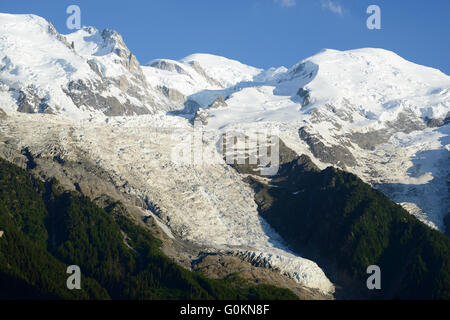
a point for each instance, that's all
(47, 229)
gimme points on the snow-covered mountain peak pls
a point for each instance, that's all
(89, 41)
(168, 65)
(35, 61)
(29, 37)
(378, 80)
(84, 74)
(226, 71)
(23, 23)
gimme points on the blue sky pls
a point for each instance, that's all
(262, 33)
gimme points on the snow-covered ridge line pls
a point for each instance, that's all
(36, 57)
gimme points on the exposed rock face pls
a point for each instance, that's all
(340, 153)
(178, 102)
(2, 114)
(95, 67)
(306, 97)
(114, 42)
(52, 30)
(28, 101)
(202, 115)
(173, 95)
(86, 95)
(165, 65)
(219, 102)
(337, 154)
(406, 122)
(432, 123)
(219, 266)
(305, 70)
(197, 67)
(135, 93)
